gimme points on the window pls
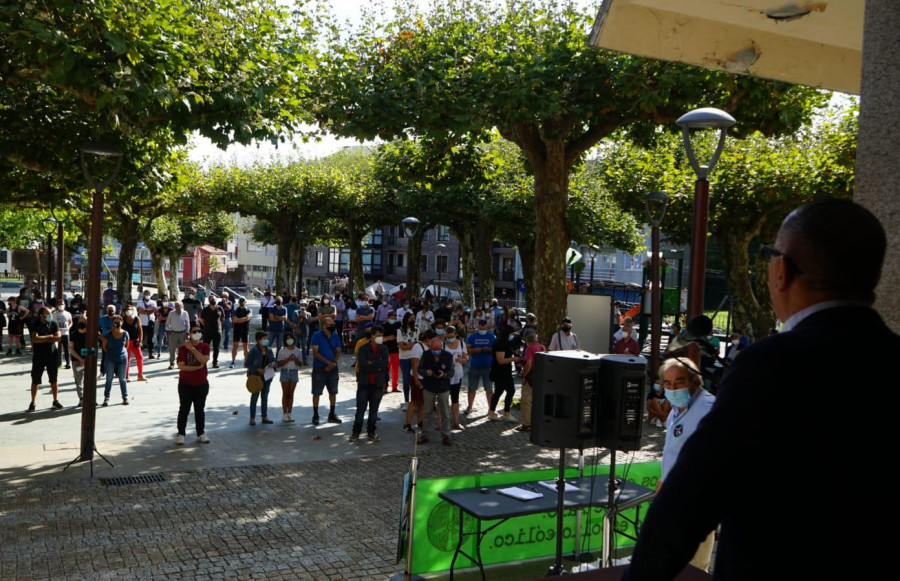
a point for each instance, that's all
(459, 267)
(423, 262)
(401, 232)
(320, 258)
(373, 239)
(371, 259)
(441, 263)
(3, 257)
(338, 260)
(401, 259)
(443, 233)
(633, 262)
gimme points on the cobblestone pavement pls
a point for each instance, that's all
(251, 513)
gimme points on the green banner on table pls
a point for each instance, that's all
(436, 529)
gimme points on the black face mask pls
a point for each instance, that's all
(331, 327)
(82, 327)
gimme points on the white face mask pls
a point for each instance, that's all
(289, 342)
(196, 336)
(379, 340)
(129, 313)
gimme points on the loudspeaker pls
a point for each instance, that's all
(620, 402)
(563, 412)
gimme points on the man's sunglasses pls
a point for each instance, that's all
(770, 252)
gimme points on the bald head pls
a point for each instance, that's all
(834, 247)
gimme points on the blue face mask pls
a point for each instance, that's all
(264, 342)
(439, 331)
(512, 337)
(482, 331)
(433, 352)
(679, 398)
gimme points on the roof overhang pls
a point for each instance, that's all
(813, 43)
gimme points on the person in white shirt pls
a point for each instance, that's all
(177, 325)
(288, 360)
(64, 321)
(424, 318)
(146, 308)
(564, 339)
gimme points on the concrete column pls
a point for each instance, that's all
(878, 155)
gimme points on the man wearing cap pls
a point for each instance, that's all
(481, 356)
(564, 339)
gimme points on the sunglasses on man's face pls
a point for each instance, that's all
(770, 252)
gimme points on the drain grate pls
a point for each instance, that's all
(126, 480)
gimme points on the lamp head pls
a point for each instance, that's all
(655, 204)
(410, 226)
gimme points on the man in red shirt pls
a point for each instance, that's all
(627, 345)
(193, 386)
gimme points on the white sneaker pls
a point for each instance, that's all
(493, 416)
(285, 418)
(290, 417)
(202, 438)
(179, 440)
(659, 423)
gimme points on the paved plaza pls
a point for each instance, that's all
(291, 501)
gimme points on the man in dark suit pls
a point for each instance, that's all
(767, 462)
(372, 359)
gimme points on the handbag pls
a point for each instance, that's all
(254, 383)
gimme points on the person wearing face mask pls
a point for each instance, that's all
(163, 308)
(658, 407)
(177, 324)
(106, 325)
(288, 360)
(326, 350)
(564, 339)
(16, 314)
(407, 337)
(192, 305)
(210, 320)
(457, 349)
(63, 320)
(146, 309)
(327, 310)
(501, 373)
(258, 360)
(372, 361)
(416, 397)
(627, 345)
(340, 308)
(132, 326)
(45, 338)
(227, 306)
(436, 368)
(364, 311)
(425, 318)
(738, 343)
(391, 330)
(277, 318)
(689, 404)
(193, 385)
(241, 318)
(381, 314)
(115, 348)
(532, 346)
(481, 348)
(76, 344)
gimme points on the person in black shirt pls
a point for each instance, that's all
(391, 328)
(501, 372)
(45, 337)
(192, 305)
(240, 318)
(211, 319)
(76, 344)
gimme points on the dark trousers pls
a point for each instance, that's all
(189, 395)
(367, 396)
(500, 385)
(64, 347)
(148, 337)
(264, 315)
(213, 339)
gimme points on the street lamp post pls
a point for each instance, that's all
(301, 233)
(440, 248)
(50, 228)
(92, 292)
(705, 118)
(411, 228)
(655, 204)
(141, 251)
(592, 252)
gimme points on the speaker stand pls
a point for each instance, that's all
(609, 517)
(557, 568)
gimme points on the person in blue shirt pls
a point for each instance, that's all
(115, 359)
(481, 355)
(326, 349)
(277, 316)
(258, 359)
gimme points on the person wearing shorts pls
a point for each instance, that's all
(457, 349)
(326, 349)
(240, 318)
(289, 360)
(481, 346)
(45, 338)
(416, 393)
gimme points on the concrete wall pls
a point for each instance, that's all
(878, 156)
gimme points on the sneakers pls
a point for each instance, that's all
(215, 365)
(493, 416)
(285, 418)
(30, 407)
(459, 427)
(354, 437)
(124, 401)
(408, 429)
(9, 352)
(467, 411)
(231, 365)
(315, 420)
(290, 417)
(508, 417)
(171, 366)
(203, 439)
(423, 439)
(659, 423)
(333, 419)
(105, 402)
(67, 366)
(523, 428)
(179, 440)
(19, 352)
(446, 441)
(374, 438)
(395, 390)
(252, 422)
(56, 405)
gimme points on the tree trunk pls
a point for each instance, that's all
(357, 280)
(413, 264)
(484, 260)
(551, 189)
(467, 249)
(128, 237)
(300, 260)
(748, 314)
(174, 287)
(285, 238)
(156, 263)
(527, 254)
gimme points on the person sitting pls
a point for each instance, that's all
(627, 345)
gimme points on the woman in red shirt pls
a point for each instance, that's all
(193, 386)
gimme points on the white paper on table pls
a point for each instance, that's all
(519, 493)
(551, 484)
(269, 373)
